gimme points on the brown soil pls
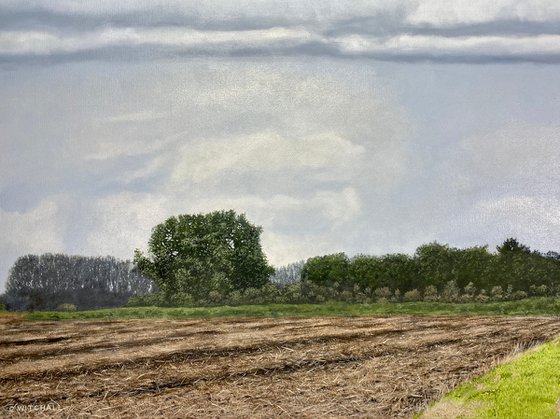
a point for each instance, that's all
(327, 367)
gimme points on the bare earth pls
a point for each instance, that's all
(321, 367)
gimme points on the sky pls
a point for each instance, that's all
(359, 127)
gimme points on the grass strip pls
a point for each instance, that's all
(527, 387)
(527, 307)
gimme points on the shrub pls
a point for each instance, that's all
(271, 291)
(482, 297)
(215, 297)
(466, 298)
(293, 293)
(235, 298)
(181, 299)
(347, 296)
(382, 293)
(252, 296)
(508, 295)
(469, 293)
(519, 295)
(362, 298)
(450, 292)
(412, 295)
(497, 293)
(431, 294)
(154, 299)
(470, 289)
(538, 290)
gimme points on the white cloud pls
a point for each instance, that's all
(32, 232)
(445, 13)
(476, 46)
(333, 208)
(46, 43)
(267, 151)
(296, 228)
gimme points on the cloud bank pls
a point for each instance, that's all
(426, 30)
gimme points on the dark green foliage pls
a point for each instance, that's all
(512, 246)
(400, 272)
(443, 273)
(326, 269)
(367, 271)
(201, 253)
(434, 265)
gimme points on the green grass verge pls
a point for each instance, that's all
(532, 306)
(526, 388)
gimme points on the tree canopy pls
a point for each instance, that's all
(437, 265)
(199, 253)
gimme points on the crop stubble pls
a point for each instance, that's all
(315, 367)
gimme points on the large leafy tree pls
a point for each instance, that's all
(199, 253)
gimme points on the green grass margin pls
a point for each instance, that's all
(527, 307)
(527, 387)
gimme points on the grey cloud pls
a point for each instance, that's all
(52, 32)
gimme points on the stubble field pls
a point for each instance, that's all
(275, 367)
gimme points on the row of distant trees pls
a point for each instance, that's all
(217, 258)
(434, 273)
(436, 266)
(55, 281)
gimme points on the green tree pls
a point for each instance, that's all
(326, 269)
(367, 271)
(435, 264)
(199, 253)
(511, 245)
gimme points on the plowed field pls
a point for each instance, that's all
(315, 367)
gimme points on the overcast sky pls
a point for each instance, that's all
(360, 126)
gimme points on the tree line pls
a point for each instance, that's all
(59, 281)
(434, 273)
(436, 269)
(217, 258)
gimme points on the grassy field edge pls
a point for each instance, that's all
(526, 387)
(527, 307)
